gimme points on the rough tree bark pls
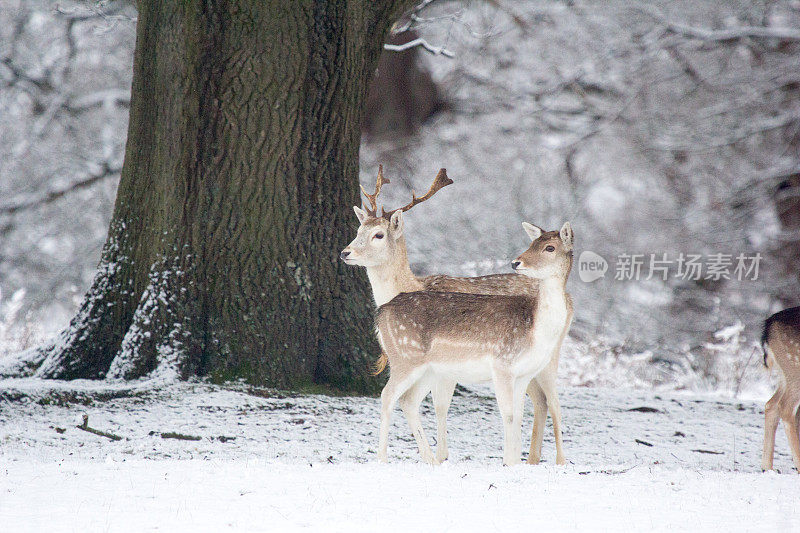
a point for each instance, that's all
(240, 169)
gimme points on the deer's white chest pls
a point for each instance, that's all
(383, 294)
(549, 323)
(388, 284)
(384, 287)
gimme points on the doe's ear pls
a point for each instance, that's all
(534, 232)
(360, 213)
(567, 237)
(396, 223)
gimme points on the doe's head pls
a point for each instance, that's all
(549, 255)
(378, 240)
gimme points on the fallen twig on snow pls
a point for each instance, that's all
(609, 471)
(85, 427)
(710, 452)
(179, 436)
(644, 409)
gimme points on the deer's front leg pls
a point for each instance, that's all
(387, 404)
(398, 384)
(547, 381)
(510, 393)
(410, 403)
(539, 401)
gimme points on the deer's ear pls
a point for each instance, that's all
(360, 213)
(534, 232)
(396, 223)
(567, 237)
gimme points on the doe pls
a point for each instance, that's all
(430, 337)
(781, 342)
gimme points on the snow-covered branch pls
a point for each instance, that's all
(435, 50)
(89, 12)
(411, 17)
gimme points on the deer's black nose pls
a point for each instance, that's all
(344, 254)
(515, 264)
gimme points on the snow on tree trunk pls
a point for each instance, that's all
(240, 169)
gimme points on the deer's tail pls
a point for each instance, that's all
(768, 359)
(380, 364)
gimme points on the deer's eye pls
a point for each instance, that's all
(550, 249)
(378, 236)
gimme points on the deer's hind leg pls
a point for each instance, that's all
(771, 419)
(789, 411)
(442, 393)
(399, 382)
(409, 403)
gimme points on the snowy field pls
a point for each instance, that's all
(270, 461)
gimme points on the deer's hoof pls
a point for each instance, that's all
(430, 460)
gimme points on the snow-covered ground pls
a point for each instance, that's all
(270, 461)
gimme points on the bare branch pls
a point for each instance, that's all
(105, 171)
(737, 135)
(518, 20)
(412, 16)
(89, 13)
(686, 65)
(98, 98)
(413, 19)
(726, 35)
(19, 75)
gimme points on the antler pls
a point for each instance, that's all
(373, 198)
(441, 181)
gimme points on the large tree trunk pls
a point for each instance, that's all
(240, 169)
(403, 95)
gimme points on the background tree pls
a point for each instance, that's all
(670, 128)
(240, 168)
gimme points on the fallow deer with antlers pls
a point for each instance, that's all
(380, 247)
(429, 337)
(781, 342)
